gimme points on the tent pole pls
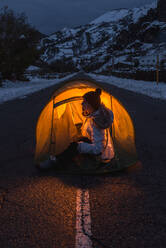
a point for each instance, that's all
(112, 127)
(113, 130)
(51, 134)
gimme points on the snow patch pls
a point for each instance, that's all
(32, 68)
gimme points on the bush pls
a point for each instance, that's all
(18, 44)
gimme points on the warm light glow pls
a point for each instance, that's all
(68, 118)
(60, 110)
(124, 130)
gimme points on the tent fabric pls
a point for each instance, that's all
(60, 121)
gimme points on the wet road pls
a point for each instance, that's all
(39, 209)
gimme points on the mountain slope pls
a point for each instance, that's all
(123, 39)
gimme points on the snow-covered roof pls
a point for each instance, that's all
(32, 68)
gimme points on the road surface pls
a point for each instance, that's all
(41, 210)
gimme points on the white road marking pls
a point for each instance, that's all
(83, 220)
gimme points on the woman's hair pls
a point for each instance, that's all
(93, 98)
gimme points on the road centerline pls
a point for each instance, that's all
(83, 220)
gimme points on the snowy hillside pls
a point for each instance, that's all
(112, 16)
(120, 40)
(119, 14)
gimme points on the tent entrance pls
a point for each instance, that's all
(66, 124)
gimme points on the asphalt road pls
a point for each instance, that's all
(38, 210)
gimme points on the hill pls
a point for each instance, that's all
(121, 40)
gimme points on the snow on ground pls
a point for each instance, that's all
(14, 90)
(144, 87)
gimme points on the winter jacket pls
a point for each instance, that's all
(96, 128)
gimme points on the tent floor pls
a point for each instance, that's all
(87, 167)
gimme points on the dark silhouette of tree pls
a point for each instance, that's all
(18, 44)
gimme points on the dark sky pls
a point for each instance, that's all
(49, 16)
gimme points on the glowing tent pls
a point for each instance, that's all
(60, 121)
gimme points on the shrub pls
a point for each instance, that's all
(18, 44)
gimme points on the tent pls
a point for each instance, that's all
(60, 121)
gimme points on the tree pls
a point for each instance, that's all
(18, 44)
(62, 65)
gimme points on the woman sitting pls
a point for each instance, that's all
(96, 140)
